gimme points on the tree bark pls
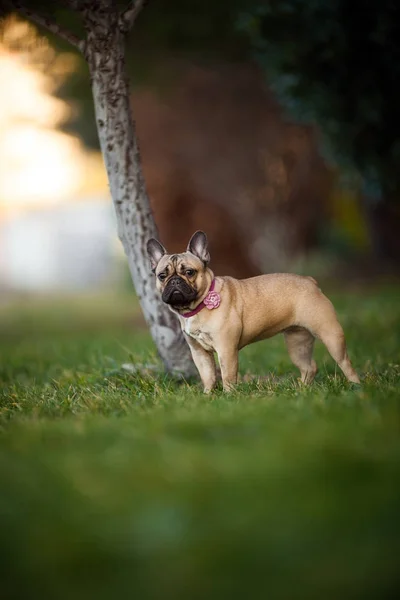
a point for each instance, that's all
(105, 53)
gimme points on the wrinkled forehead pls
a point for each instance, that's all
(178, 263)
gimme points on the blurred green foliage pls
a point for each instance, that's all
(337, 63)
(129, 485)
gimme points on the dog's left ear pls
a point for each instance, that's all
(198, 246)
(156, 251)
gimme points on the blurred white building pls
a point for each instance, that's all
(64, 247)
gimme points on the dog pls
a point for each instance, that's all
(223, 314)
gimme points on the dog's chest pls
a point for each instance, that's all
(200, 335)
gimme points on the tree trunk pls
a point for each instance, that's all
(105, 53)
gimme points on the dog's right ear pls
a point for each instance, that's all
(156, 251)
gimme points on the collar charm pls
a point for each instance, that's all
(212, 300)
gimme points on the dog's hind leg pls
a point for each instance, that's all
(300, 345)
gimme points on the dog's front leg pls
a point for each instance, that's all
(205, 364)
(228, 357)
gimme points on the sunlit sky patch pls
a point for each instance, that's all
(38, 164)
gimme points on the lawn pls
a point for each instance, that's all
(124, 485)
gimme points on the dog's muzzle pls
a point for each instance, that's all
(178, 293)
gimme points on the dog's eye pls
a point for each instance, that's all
(190, 272)
(162, 276)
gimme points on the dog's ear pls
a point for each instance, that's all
(198, 246)
(156, 251)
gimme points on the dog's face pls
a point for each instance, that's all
(181, 278)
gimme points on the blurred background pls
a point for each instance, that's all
(272, 126)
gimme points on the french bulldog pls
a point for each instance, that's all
(223, 314)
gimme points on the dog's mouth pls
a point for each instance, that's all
(178, 293)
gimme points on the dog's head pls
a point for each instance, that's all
(182, 278)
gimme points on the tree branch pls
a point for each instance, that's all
(48, 23)
(129, 15)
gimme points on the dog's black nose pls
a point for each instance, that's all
(176, 282)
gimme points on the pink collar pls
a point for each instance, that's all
(212, 300)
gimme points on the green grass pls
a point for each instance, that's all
(116, 485)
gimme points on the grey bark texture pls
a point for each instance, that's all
(104, 50)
